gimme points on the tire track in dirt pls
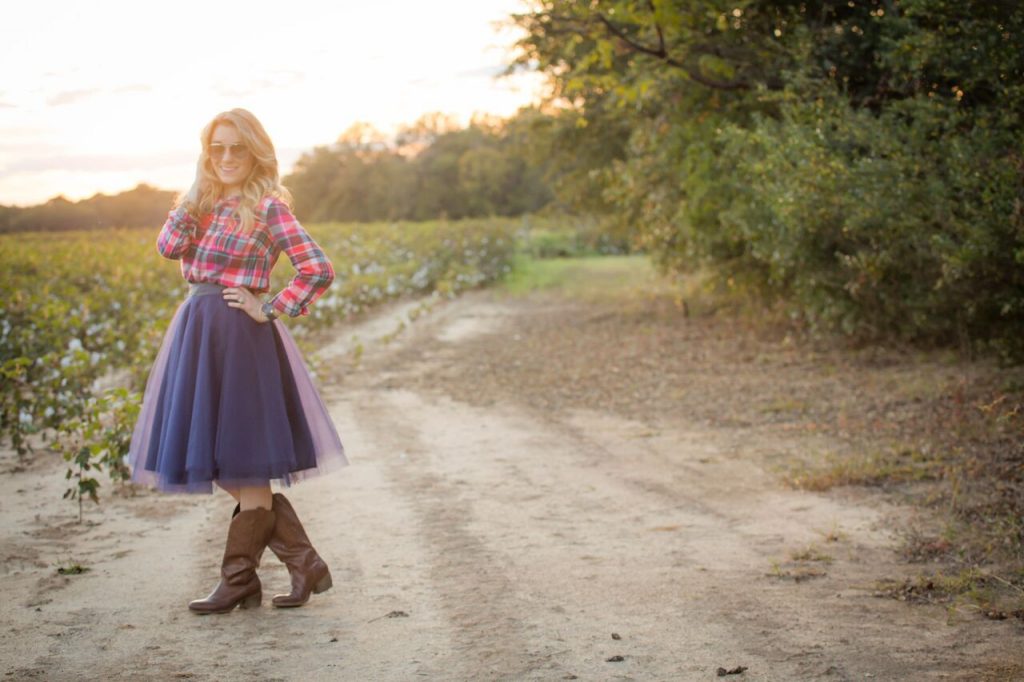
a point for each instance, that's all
(471, 582)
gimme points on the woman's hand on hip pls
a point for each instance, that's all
(240, 297)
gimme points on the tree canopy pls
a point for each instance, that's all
(861, 160)
(432, 168)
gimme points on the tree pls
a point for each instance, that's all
(858, 159)
(433, 168)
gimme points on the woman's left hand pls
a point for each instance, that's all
(240, 297)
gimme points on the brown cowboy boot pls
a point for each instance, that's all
(292, 546)
(239, 585)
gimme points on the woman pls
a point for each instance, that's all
(229, 400)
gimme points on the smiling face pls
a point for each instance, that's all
(230, 158)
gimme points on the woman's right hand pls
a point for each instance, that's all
(192, 196)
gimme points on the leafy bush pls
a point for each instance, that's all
(906, 223)
(568, 237)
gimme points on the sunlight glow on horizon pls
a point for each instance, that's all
(106, 98)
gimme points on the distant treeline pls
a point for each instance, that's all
(430, 169)
(143, 205)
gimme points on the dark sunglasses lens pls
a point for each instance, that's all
(238, 151)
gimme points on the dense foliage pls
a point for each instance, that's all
(83, 315)
(431, 169)
(862, 160)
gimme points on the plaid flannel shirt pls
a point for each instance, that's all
(214, 250)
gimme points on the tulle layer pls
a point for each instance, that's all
(229, 400)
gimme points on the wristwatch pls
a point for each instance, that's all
(269, 311)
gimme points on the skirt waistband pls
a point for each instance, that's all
(204, 288)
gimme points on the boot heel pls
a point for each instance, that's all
(253, 601)
(324, 584)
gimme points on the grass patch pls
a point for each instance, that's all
(590, 278)
(970, 589)
(803, 564)
(900, 465)
(833, 535)
(785, 406)
(796, 573)
(810, 554)
(566, 237)
(72, 568)
(629, 281)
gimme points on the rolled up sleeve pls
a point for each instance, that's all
(313, 270)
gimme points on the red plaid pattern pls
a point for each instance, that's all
(214, 250)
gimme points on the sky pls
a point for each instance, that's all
(101, 96)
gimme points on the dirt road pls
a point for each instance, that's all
(490, 538)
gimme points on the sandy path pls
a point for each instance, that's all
(514, 542)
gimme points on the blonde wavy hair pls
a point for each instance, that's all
(263, 180)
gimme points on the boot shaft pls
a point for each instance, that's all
(289, 540)
(248, 535)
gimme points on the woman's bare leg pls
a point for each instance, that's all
(234, 492)
(251, 497)
(254, 497)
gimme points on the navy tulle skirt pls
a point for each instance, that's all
(229, 400)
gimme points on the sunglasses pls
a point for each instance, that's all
(238, 151)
